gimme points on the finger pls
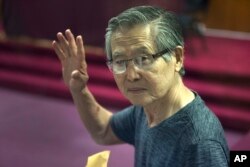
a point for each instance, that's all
(58, 50)
(80, 48)
(70, 37)
(71, 41)
(62, 42)
(83, 68)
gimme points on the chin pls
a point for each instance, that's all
(140, 101)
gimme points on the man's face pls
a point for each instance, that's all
(142, 87)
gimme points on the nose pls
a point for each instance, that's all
(132, 72)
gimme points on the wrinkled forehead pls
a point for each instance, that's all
(139, 37)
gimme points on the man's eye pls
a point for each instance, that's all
(119, 62)
(145, 59)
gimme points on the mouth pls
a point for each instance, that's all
(136, 90)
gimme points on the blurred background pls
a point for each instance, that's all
(39, 125)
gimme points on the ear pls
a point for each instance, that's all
(179, 55)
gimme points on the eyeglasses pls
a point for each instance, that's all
(144, 61)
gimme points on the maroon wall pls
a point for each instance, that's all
(44, 18)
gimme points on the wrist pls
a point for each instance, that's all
(79, 92)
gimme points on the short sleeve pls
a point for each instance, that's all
(206, 153)
(123, 124)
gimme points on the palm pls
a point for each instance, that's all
(68, 66)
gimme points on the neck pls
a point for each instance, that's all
(178, 97)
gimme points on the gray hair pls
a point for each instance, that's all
(165, 27)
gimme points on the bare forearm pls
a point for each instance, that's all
(94, 116)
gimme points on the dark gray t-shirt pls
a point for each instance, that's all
(193, 137)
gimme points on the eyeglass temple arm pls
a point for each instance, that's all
(160, 53)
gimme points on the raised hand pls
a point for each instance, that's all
(70, 51)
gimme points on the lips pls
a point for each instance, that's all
(136, 90)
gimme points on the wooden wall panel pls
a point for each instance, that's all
(229, 14)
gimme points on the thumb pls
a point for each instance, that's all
(77, 75)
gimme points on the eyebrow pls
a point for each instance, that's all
(117, 54)
(141, 48)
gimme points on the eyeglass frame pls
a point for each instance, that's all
(155, 56)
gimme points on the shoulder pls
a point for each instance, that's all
(131, 111)
(203, 137)
(124, 123)
(202, 125)
(202, 120)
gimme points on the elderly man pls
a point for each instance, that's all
(168, 124)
